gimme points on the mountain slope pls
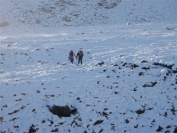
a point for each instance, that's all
(56, 13)
(128, 79)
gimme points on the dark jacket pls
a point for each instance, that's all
(80, 54)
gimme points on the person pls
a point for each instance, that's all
(71, 56)
(80, 56)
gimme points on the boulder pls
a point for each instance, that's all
(60, 111)
(63, 111)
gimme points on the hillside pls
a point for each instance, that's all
(57, 13)
(126, 84)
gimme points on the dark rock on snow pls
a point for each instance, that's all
(32, 129)
(140, 111)
(101, 63)
(151, 84)
(175, 131)
(62, 111)
(98, 122)
(159, 129)
(164, 65)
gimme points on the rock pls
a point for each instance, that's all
(60, 111)
(175, 131)
(126, 121)
(1, 119)
(134, 66)
(141, 73)
(146, 68)
(140, 111)
(98, 122)
(151, 84)
(159, 129)
(32, 129)
(164, 65)
(73, 111)
(101, 63)
(144, 61)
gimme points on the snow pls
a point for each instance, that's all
(128, 79)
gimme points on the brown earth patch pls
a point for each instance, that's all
(3, 24)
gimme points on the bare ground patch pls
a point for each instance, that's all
(3, 24)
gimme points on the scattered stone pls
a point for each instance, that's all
(16, 126)
(150, 84)
(24, 94)
(136, 126)
(55, 130)
(114, 70)
(1, 119)
(173, 110)
(78, 98)
(101, 63)
(165, 114)
(134, 66)
(101, 131)
(134, 89)
(144, 61)
(175, 131)
(108, 5)
(98, 122)
(141, 73)
(164, 65)
(115, 92)
(159, 129)
(146, 68)
(150, 108)
(32, 129)
(43, 121)
(104, 70)
(126, 121)
(140, 111)
(167, 131)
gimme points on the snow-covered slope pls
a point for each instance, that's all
(128, 79)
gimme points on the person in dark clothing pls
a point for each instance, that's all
(71, 56)
(80, 56)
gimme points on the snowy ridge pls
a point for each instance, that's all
(128, 79)
(57, 13)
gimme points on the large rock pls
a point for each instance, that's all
(61, 111)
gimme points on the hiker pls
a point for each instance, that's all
(80, 56)
(71, 56)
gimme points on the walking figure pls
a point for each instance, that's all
(71, 56)
(80, 56)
